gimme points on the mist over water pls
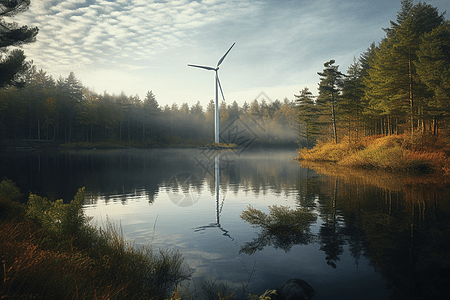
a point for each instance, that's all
(360, 234)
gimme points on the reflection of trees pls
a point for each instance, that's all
(282, 228)
(184, 189)
(333, 233)
(330, 234)
(331, 240)
(308, 189)
(355, 239)
(59, 174)
(400, 224)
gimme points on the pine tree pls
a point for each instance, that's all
(402, 15)
(255, 108)
(385, 87)
(394, 86)
(307, 114)
(151, 113)
(366, 61)
(245, 107)
(12, 63)
(433, 68)
(150, 102)
(233, 110)
(352, 95)
(330, 86)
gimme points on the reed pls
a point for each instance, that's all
(53, 252)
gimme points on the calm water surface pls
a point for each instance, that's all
(364, 237)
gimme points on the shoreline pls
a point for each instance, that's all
(26, 145)
(394, 154)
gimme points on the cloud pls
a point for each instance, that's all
(278, 43)
(99, 29)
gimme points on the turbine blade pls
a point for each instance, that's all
(220, 86)
(223, 57)
(203, 67)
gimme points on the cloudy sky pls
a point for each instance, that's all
(139, 45)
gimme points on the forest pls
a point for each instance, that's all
(67, 112)
(399, 86)
(36, 107)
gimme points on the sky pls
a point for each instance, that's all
(136, 46)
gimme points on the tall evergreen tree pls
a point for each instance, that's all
(433, 68)
(402, 15)
(69, 93)
(394, 86)
(12, 63)
(150, 102)
(330, 87)
(352, 95)
(246, 107)
(255, 108)
(307, 114)
(197, 110)
(152, 114)
(366, 61)
(233, 110)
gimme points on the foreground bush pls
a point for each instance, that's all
(52, 252)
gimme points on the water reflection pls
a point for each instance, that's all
(282, 228)
(344, 232)
(403, 228)
(217, 170)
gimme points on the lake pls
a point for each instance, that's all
(350, 235)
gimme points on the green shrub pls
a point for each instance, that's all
(9, 190)
(10, 195)
(55, 216)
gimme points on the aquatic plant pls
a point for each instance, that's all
(282, 227)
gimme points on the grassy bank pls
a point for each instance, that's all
(424, 154)
(49, 250)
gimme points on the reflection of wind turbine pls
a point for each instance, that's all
(216, 69)
(218, 210)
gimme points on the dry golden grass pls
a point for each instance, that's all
(392, 153)
(326, 151)
(434, 160)
(112, 269)
(31, 271)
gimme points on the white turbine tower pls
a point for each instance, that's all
(216, 112)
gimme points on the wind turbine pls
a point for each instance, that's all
(216, 110)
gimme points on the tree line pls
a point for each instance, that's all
(35, 106)
(401, 85)
(64, 110)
